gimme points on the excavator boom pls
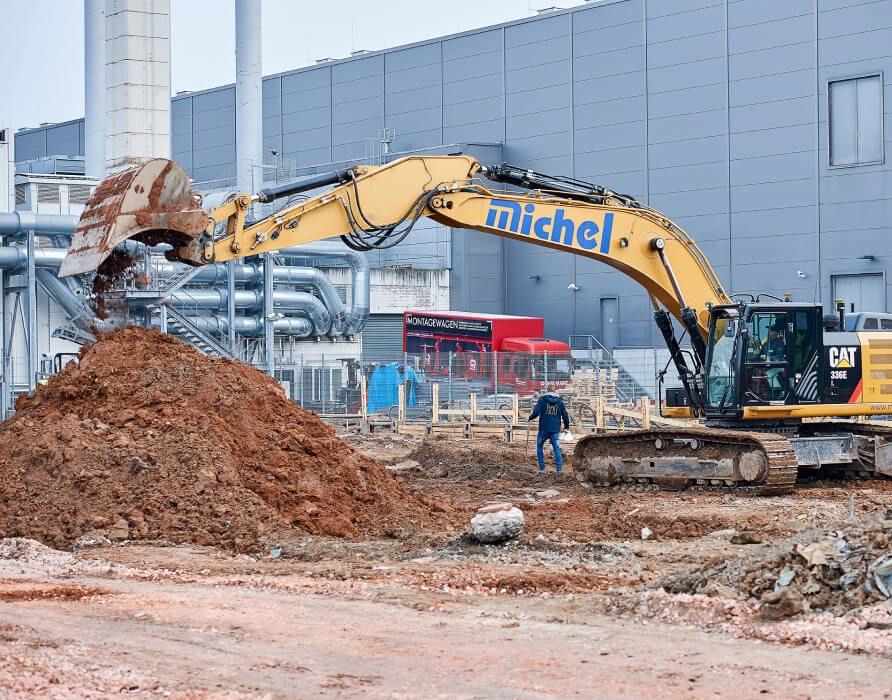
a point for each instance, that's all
(373, 207)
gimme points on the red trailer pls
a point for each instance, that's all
(471, 338)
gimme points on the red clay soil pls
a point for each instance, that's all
(148, 438)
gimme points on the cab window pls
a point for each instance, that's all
(767, 368)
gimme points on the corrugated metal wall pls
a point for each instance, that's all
(382, 338)
(714, 111)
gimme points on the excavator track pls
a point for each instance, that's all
(676, 459)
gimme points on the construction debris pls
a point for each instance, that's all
(149, 439)
(822, 569)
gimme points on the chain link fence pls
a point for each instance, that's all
(450, 381)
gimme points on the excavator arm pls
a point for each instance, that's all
(372, 207)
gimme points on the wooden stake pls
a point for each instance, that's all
(435, 397)
(363, 398)
(401, 405)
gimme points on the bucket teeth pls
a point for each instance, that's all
(151, 203)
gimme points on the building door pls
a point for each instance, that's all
(865, 292)
(609, 322)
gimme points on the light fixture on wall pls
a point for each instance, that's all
(868, 258)
(535, 278)
(801, 275)
(573, 287)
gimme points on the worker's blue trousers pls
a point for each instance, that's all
(555, 444)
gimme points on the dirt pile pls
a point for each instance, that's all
(440, 456)
(835, 570)
(147, 438)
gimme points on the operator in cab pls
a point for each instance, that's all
(551, 411)
(773, 346)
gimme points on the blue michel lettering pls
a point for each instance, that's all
(507, 215)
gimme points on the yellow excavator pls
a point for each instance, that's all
(776, 383)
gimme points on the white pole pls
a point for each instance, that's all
(94, 87)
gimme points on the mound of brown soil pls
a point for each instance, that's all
(462, 460)
(148, 438)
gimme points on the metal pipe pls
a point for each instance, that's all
(253, 325)
(21, 221)
(269, 316)
(3, 349)
(359, 311)
(251, 299)
(15, 257)
(31, 324)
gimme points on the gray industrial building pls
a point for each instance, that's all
(757, 125)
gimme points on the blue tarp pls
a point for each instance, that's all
(384, 387)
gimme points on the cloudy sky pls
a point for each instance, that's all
(42, 53)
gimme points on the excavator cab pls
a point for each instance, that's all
(761, 354)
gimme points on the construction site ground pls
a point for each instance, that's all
(572, 608)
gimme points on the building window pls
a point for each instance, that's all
(856, 121)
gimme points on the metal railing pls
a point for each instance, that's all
(589, 349)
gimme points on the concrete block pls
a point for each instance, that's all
(497, 522)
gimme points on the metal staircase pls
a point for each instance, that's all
(183, 327)
(168, 285)
(69, 331)
(587, 348)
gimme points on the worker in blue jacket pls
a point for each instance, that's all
(550, 411)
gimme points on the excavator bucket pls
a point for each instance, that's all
(151, 203)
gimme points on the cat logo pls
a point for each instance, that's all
(842, 358)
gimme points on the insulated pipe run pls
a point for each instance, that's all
(215, 274)
(254, 325)
(359, 313)
(217, 299)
